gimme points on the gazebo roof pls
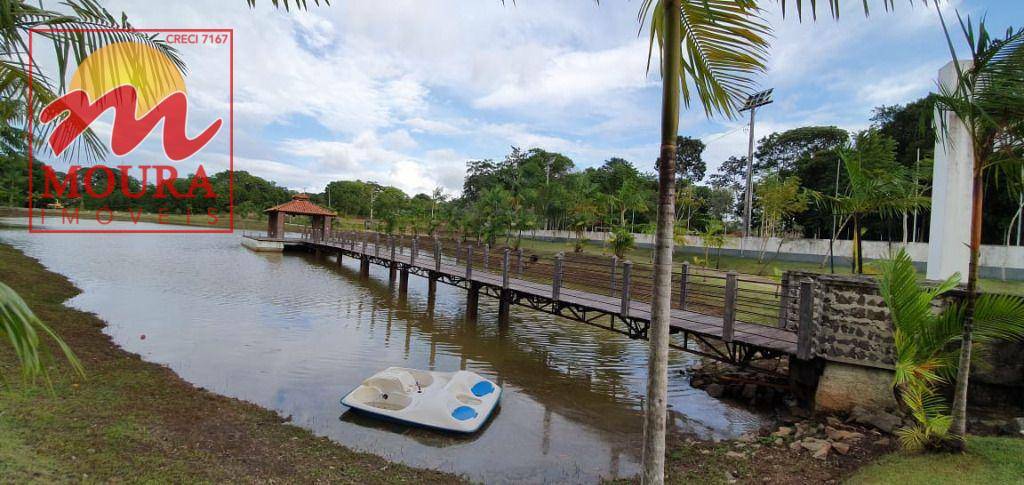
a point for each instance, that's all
(300, 205)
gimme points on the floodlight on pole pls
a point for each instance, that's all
(753, 102)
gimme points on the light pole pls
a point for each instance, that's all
(753, 102)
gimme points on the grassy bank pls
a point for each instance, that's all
(988, 460)
(136, 421)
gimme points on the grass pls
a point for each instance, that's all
(132, 420)
(988, 460)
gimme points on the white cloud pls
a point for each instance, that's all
(404, 93)
(574, 76)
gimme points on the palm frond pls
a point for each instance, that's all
(21, 328)
(298, 4)
(833, 7)
(725, 44)
(74, 36)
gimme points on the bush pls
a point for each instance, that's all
(622, 241)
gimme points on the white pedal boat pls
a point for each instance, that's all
(451, 401)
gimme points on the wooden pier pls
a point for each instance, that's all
(612, 306)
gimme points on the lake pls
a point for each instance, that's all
(294, 334)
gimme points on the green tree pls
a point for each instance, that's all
(713, 236)
(876, 186)
(779, 200)
(988, 98)
(690, 166)
(622, 242)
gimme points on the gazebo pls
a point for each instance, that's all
(299, 206)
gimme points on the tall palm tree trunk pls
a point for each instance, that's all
(655, 418)
(963, 373)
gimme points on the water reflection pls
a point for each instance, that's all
(294, 333)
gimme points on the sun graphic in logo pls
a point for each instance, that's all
(150, 71)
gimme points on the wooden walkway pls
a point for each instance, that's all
(719, 337)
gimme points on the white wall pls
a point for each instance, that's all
(993, 257)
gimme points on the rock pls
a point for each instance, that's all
(714, 390)
(880, 419)
(843, 387)
(885, 421)
(735, 454)
(796, 446)
(747, 438)
(841, 448)
(833, 421)
(783, 432)
(814, 444)
(1018, 423)
(729, 477)
(822, 452)
(842, 434)
(749, 391)
(882, 442)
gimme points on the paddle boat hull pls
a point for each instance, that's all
(459, 402)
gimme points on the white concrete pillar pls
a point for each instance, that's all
(950, 231)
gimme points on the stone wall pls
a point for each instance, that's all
(851, 322)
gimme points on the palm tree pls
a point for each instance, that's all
(726, 44)
(988, 98)
(925, 343)
(877, 186)
(21, 18)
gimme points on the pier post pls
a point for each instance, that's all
(437, 255)
(504, 303)
(803, 333)
(340, 255)
(364, 266)
(556, 278)
(472, 300)
(729, 313)
(615, 262)
(376, 244)
(519, 262)
(469, 263)
(392, 269)
(627, 268)
(487, 255)
(684, 275)
(403, 280)
(365, 238)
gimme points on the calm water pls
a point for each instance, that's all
(294, 334)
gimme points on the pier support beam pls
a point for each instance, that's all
(504, 302)
(364, 267)
(472, 301)
(392, 271)
(403, 281)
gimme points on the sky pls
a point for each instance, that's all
(405, 92)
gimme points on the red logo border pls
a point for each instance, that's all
(231, 136)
